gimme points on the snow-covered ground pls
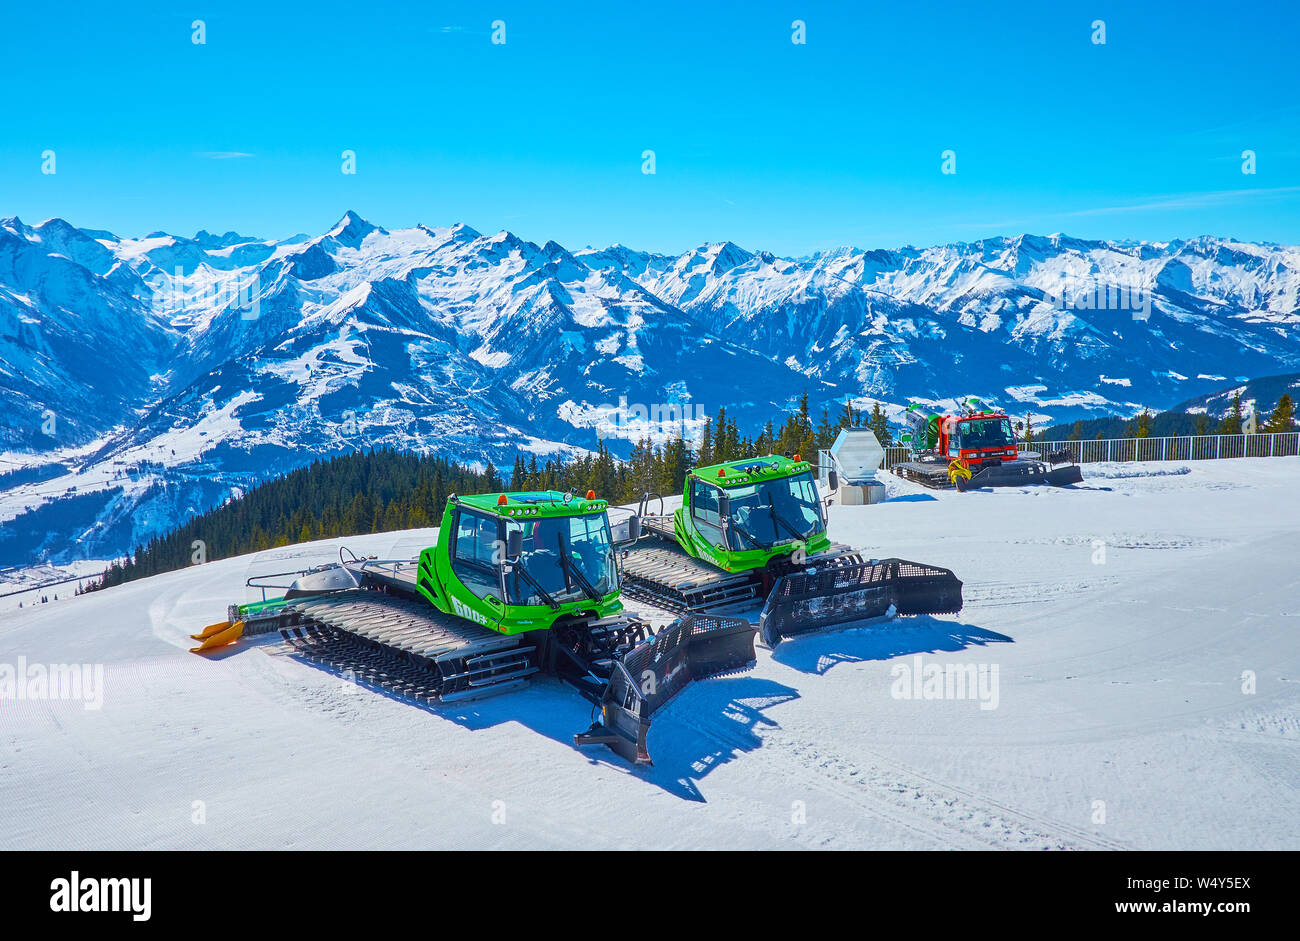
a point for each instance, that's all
(1145, 630)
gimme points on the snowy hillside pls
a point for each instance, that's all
(146, 379)
(1124, 620)
(1260, 395)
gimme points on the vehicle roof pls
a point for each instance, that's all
(533, 503)
(751, 470)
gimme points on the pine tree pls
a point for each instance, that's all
(826, 431)
(1144, 424)
(1233, 421)
(1283, 417)
(879, 425)
(706, 444)
(392, 521)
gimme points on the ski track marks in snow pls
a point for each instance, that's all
(944, 815)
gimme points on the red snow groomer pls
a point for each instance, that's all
(976, 449)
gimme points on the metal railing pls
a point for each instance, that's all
(894, 455)
(1179, 448)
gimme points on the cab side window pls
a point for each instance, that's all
(704, 508)
(704, 503)
(476, 553)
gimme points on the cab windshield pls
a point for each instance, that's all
(775, 511)
(565, 558)
(985, 433)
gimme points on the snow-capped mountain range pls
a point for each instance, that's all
(146, 379)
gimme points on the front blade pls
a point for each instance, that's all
(694, 647)
(1062, 476)
(1025, 473)
(925, 589)
(810, 601)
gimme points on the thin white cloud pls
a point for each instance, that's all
(1189, 201)
(224, 154)
(1152, 204)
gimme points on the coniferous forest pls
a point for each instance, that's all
(385, 490)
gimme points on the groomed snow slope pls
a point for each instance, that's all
(1118, 683)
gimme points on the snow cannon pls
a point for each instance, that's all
(924, 423)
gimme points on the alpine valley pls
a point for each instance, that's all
(143, 380)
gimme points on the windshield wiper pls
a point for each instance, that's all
(536, 586)
(575, 572)
(740, 531)
(777, 518)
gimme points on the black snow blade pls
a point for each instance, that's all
(694, 647)
(1063, 476)
(1025, 473)
(813, 600)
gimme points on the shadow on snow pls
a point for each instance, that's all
(899, 637)
(708, 724)
(712, 721)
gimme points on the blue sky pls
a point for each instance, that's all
(778, 146)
